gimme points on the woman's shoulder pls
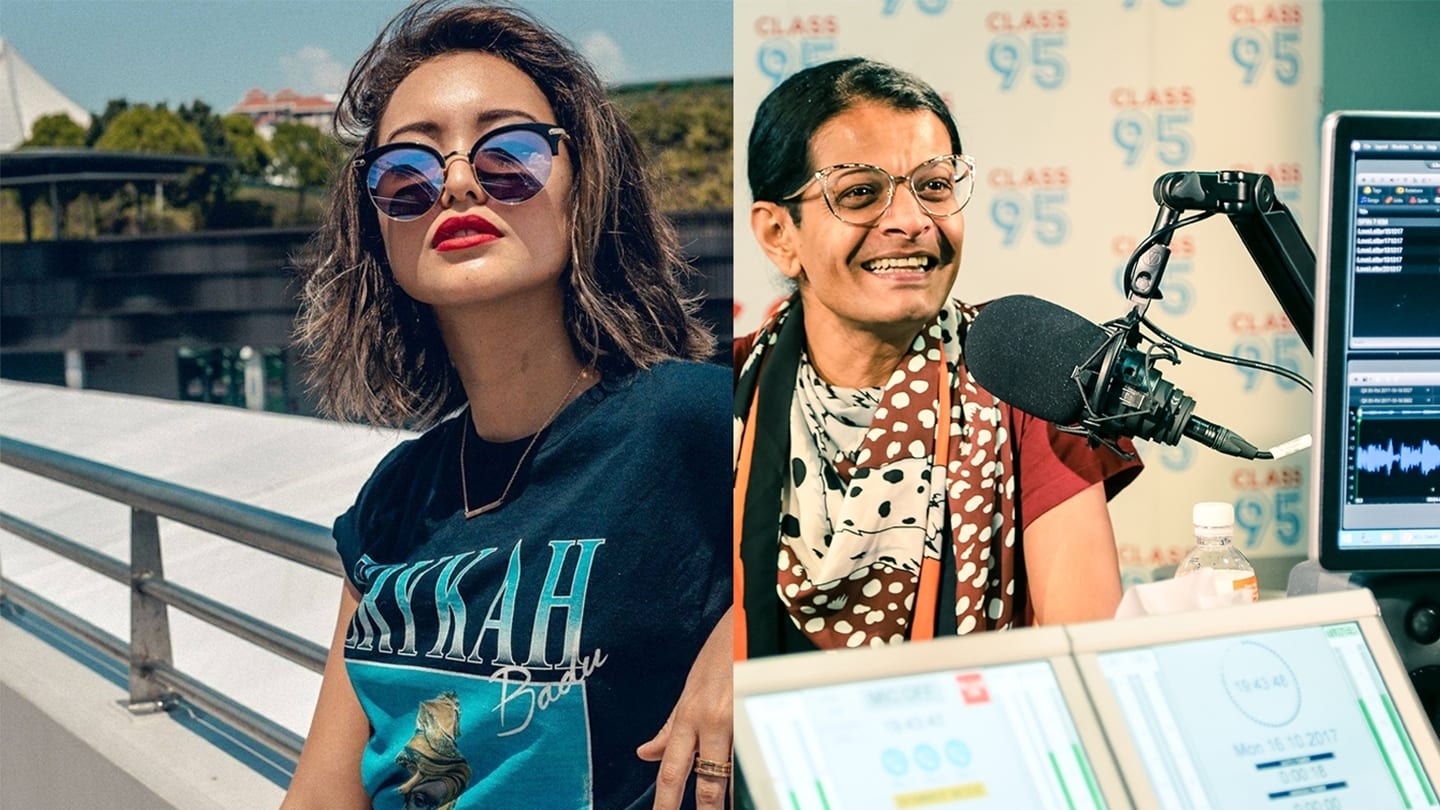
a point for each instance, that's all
(676, 384)
(679, 396)
(403, 463)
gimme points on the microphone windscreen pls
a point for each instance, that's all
(1023, 350)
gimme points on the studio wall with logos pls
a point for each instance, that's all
(1071, 111)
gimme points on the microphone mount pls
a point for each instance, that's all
(1121, 380)
(1265, 226)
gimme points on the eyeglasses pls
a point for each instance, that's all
(511, 164)
(860, 194)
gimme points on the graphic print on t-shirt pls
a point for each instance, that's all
(486, 710)
(438, 771)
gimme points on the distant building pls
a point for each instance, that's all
(286, 105)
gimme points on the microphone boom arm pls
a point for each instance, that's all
(1265, 226)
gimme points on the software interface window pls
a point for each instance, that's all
(1392, 351)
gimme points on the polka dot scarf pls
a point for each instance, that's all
(844, 505)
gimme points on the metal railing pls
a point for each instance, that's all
(154, 683)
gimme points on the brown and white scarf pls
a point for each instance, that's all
(843, 501)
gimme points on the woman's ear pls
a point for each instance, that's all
(778, 236)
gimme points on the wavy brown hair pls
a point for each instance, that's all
(375, 353)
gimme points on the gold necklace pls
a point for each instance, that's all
(495, 504)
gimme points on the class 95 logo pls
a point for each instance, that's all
(1269, 501)
(1258, 54)
(794, 43)
(1030, 203)
(779, 58)
(1153, 122)
(1266, 41)
(1029, 44)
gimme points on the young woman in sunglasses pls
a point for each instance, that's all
(535, 610)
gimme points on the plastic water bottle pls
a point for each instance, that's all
(1214, 525)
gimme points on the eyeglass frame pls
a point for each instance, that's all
(553, 134)
(823, 175)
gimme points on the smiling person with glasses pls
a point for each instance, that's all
(534, 611)
(881, 494)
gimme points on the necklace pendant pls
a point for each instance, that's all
(484, 507)
(496, 504)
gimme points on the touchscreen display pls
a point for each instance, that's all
(1294, 719)
(998, 737)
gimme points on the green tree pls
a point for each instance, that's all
(213, 192)
(57, 129)
(305, 157)
(98, 123)
(252, 154)
(143, 128)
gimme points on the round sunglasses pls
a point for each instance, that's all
(511, 164)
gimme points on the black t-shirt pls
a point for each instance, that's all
(518, 658)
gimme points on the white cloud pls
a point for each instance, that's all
(313, 70)
(606, 56)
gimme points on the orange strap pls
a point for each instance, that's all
(928, 594)
(737, 521)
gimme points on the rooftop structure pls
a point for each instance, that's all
(286, 105)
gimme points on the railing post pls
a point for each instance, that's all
(149, 621)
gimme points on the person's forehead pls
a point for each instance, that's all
(464, 82)
(868, 132)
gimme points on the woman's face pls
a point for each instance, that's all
(469, 249)
(841, 268)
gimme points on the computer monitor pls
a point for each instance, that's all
(1375, 494)
(996, 721)
(1296, 703)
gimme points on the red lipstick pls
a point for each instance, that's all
(464, 231)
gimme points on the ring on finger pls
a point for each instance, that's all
(712, 768)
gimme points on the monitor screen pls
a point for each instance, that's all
(1292, 704)
(1377, 491)
(1297, 718)
(997, 736)
(988, 720)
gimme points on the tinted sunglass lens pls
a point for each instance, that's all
(513, 166)
(405, 183)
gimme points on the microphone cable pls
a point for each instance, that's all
(1279, 451)
(1226, 358)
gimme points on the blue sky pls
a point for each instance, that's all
(150, 51)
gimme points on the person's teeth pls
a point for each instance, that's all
(897, 265)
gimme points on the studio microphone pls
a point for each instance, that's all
(1058, 366)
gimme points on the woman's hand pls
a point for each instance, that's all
(700, 724)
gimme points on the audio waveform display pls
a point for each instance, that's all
(1385, 458)
(1396, 460)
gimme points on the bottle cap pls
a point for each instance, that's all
(1213, 513)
